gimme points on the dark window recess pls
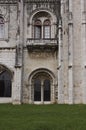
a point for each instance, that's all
(47, 29)
(5, 84)
(37, 32)
(37, 29)
(47, 90)
(37, 90)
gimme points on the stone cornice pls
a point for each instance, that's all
(36, 1)
(31, 1)
(8, 1)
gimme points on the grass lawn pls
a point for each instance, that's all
(42, 117)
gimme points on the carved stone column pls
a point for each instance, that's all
(70, 54)
(17, 93)
(60, 60)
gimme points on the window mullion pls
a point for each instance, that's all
(42, 33)
(42, 92)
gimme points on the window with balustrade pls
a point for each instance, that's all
(42, 30)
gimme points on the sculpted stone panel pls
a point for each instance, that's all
(4, 10)
(54, 7)
(44, 55)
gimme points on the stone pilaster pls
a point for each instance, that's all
(16, 90)
(70, 53)
(60, 60)
(19, 58)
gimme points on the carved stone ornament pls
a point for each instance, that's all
(1, 69)
(52, 5)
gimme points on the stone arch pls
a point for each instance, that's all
(4, 67)
(44, 75)
(54, 19)
(45, 14)
(49, 72)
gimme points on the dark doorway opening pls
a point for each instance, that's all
(5, 84)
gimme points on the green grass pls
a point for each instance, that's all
(42, 117)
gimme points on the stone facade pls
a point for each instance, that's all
(43, 51)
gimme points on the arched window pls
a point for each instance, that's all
(41, 88)
(37, 29)
(5, 84)
(46, 27)
(2, 24)
(42, 30)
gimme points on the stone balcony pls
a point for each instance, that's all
(42, 44)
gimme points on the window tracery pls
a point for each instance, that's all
(41, 87)
(42, 28)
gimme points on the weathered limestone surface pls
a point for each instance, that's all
(62, 58)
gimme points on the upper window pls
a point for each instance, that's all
(37, 29)
(42, 30)
(2, 24)
(46, 27)
(42, 25)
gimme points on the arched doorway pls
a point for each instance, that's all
(5, 82)
(41, 88)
